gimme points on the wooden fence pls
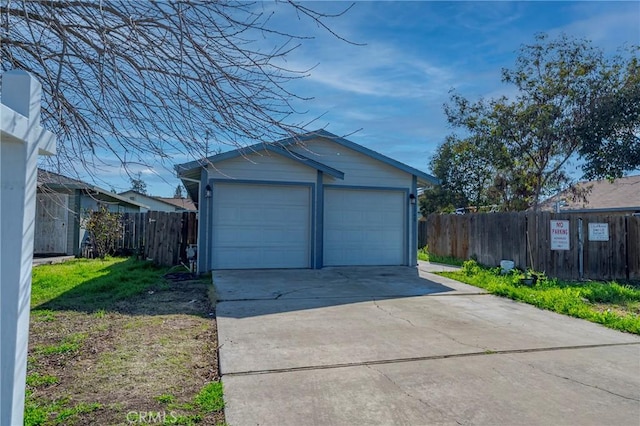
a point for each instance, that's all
(162, 237)
(526, 238)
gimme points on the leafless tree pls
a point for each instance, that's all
(144, 80)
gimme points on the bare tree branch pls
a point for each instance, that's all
(143, 81)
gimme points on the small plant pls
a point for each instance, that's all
(470, 267)
(423, 253)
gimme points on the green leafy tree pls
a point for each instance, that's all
(437, 199)
(563, 87)
(610, 131)
(105, 229)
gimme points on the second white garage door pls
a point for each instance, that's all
(261, 226)
(364, 227)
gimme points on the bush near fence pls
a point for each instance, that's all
(525, 238)
(162, 237)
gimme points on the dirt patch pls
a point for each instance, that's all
(149, 354)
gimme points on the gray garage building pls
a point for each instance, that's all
(306, 202)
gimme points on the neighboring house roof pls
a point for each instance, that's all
(180, 203)
(190, 172)
(184, 203)
(623, 194)
(48, 180)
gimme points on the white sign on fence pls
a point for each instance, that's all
(560, 236)
(598, 232)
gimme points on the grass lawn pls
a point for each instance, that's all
(611, 304)
(113, 342)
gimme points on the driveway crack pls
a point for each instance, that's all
(583, 384)
(392, 315)
(279, 295)
(422, 401)
(430, 328)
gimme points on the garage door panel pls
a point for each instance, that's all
(261, 226)
(364, 227)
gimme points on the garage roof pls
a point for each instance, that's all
(190, 172)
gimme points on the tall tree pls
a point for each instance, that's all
(144, 80)
(179, 193)
(560, 85)
(138, 185)
(610, 131)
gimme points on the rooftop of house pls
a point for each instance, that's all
(51, 181)
(183, 203)
(49, 178)
(622, 194)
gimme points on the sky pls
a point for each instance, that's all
(387, 91)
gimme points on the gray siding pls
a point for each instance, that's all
(153, 204)
(264, 166)
(359, 169)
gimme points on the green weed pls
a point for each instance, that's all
(445, 260)
(66, 414)
(165, 398)
(36, 379)
(423, 254)
(43, 315)
(209, 399)
(71, 343)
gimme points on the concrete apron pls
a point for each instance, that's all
(403, 346)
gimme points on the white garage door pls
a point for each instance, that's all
(364, 227)
(261, 226)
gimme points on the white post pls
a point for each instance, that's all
(22, 139)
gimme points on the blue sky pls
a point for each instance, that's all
(390, 91)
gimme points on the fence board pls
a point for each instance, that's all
(162, 237)
(525, 238)
(633, 247)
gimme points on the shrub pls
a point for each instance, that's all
(104, 228)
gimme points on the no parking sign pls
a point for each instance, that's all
(560, 235)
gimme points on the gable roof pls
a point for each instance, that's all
(623, 194)
(190, 172)
(425, 177)
(183, 203)
(54, 181)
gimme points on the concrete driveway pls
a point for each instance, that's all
(401, 346)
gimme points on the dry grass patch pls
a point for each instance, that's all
(144, 357)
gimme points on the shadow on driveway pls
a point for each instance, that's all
(300, 289)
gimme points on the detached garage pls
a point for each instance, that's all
(306, 202)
